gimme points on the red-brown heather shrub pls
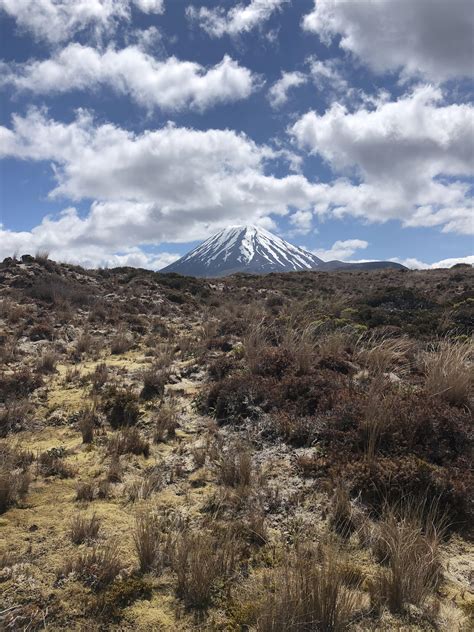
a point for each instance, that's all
(121, 407)
(389, 480)
(18, 384)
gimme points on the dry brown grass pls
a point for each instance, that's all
(300, 346)
(128, 441)
(382, 354)
(47, 362)
(450, 373)
(377, 416)
(84, 529)
(85, 491)
(342, 515)
(334, 344)
(408, 542)
(84, 343)
(96, 568)
(15, 416)
(166, 421)
(51, 463)
(308, 593)
(200, 560)
(234, 467)
(254, 343)
(87, 421)
(144, 486)
(121, 343)
(152, 537)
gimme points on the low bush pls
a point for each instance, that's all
(109, 603)
(51, 463)
(14, 476)
(18, 384)
(154, 382)
(14, 416)
(100, 376)
(121, 343)
(392, 479)
(121, 407)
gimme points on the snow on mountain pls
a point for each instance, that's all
(243, 249)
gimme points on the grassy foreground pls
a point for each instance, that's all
(289, 452)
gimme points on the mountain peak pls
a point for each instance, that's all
(243, 248)
(252, 249)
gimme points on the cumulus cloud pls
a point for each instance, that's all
(412, 157)
(174, 184)
(327, 74)
(430, 38)
(341, 250)
(167, 185)
(240, 19)
(444, 263)
(58, 20)
(50, 236)
(278, 93)
(170, 84)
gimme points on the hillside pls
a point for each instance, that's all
(183, 453)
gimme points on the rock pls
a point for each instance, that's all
(27, 259)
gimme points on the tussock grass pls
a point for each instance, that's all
(307, 592)
(234, 467)
(83, 528)
(450, 373)
(381, 355)
(407, 540)
(201, 560)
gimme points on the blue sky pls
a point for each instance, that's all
(132, 129)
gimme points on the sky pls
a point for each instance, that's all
(131, 130)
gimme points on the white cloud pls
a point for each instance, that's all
(170, 84)
(444, 263)
(412, 157)
(170, 185)
(58, 20)
(327, 74)
(278, 93)
(341, 250)
(431, 38)
(240, 19)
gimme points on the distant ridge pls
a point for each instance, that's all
(254, 250)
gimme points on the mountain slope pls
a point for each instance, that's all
(243, 249)
(256, 251)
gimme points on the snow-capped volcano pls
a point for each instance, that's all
(243, 249)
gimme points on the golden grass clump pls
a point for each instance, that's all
(449, 372)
